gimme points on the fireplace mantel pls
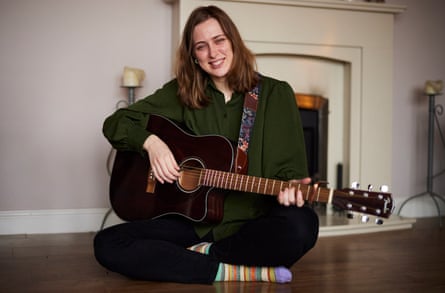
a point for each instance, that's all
(356, 35)
(329, 4)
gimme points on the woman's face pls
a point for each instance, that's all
(212, 49)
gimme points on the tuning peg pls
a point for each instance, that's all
(370, 187)
(365, 219)
(379, 221)
(355, 185)
(384, 188)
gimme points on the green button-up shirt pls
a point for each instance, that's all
(276, 148)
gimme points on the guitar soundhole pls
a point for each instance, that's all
(190, 174)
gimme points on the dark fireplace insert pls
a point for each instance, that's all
(314, 112)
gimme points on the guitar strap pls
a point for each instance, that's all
(247, 121)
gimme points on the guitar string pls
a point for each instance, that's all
(196, 172)
(263, 184)
(210, 175)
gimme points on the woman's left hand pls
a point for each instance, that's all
(289, 196)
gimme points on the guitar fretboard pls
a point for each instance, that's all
(246, 183)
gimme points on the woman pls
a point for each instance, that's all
(260, 237)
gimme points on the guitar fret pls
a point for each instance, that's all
(210, 178)
(215, 178)
(226, 180)
(204, 181)
(324, 192)
(247, 183)
(307, 193)
(200, 176)
(223, 179)
(331, 193)
(265, 186)
(259, 182)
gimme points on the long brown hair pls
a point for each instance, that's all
(192, 80)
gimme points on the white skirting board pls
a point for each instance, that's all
(90, 220)
(51, 221)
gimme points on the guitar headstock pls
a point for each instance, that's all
(377, 203)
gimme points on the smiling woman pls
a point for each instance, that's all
(213, 44)
(214, 54)
(218, 92)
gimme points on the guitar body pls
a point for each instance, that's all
(207, 168)
(128, 185)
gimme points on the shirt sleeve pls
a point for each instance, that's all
(125, 129)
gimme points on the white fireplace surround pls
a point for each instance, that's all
(341, 50)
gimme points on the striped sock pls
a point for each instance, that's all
(203, 247)
(228, 272)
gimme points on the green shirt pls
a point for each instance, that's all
(276, 148)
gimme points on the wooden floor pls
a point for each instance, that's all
(395, 261)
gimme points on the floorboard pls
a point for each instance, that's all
(408, 260)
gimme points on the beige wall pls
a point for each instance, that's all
(60, 68)
(60, 65)
(418, 56)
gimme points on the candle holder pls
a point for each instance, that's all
(131, 95)
(434, 112)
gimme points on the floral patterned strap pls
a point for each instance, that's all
(248, 118)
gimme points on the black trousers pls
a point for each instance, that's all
(156, 249)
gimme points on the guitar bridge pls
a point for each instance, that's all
(151, 182)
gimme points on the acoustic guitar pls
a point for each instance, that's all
(206, 173)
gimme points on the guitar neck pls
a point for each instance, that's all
(266, 186)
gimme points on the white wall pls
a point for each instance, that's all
(418, 56)
(60, 67)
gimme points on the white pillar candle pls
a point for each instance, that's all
(132, 77)
(433, 87)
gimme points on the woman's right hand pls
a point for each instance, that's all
(162, 162)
